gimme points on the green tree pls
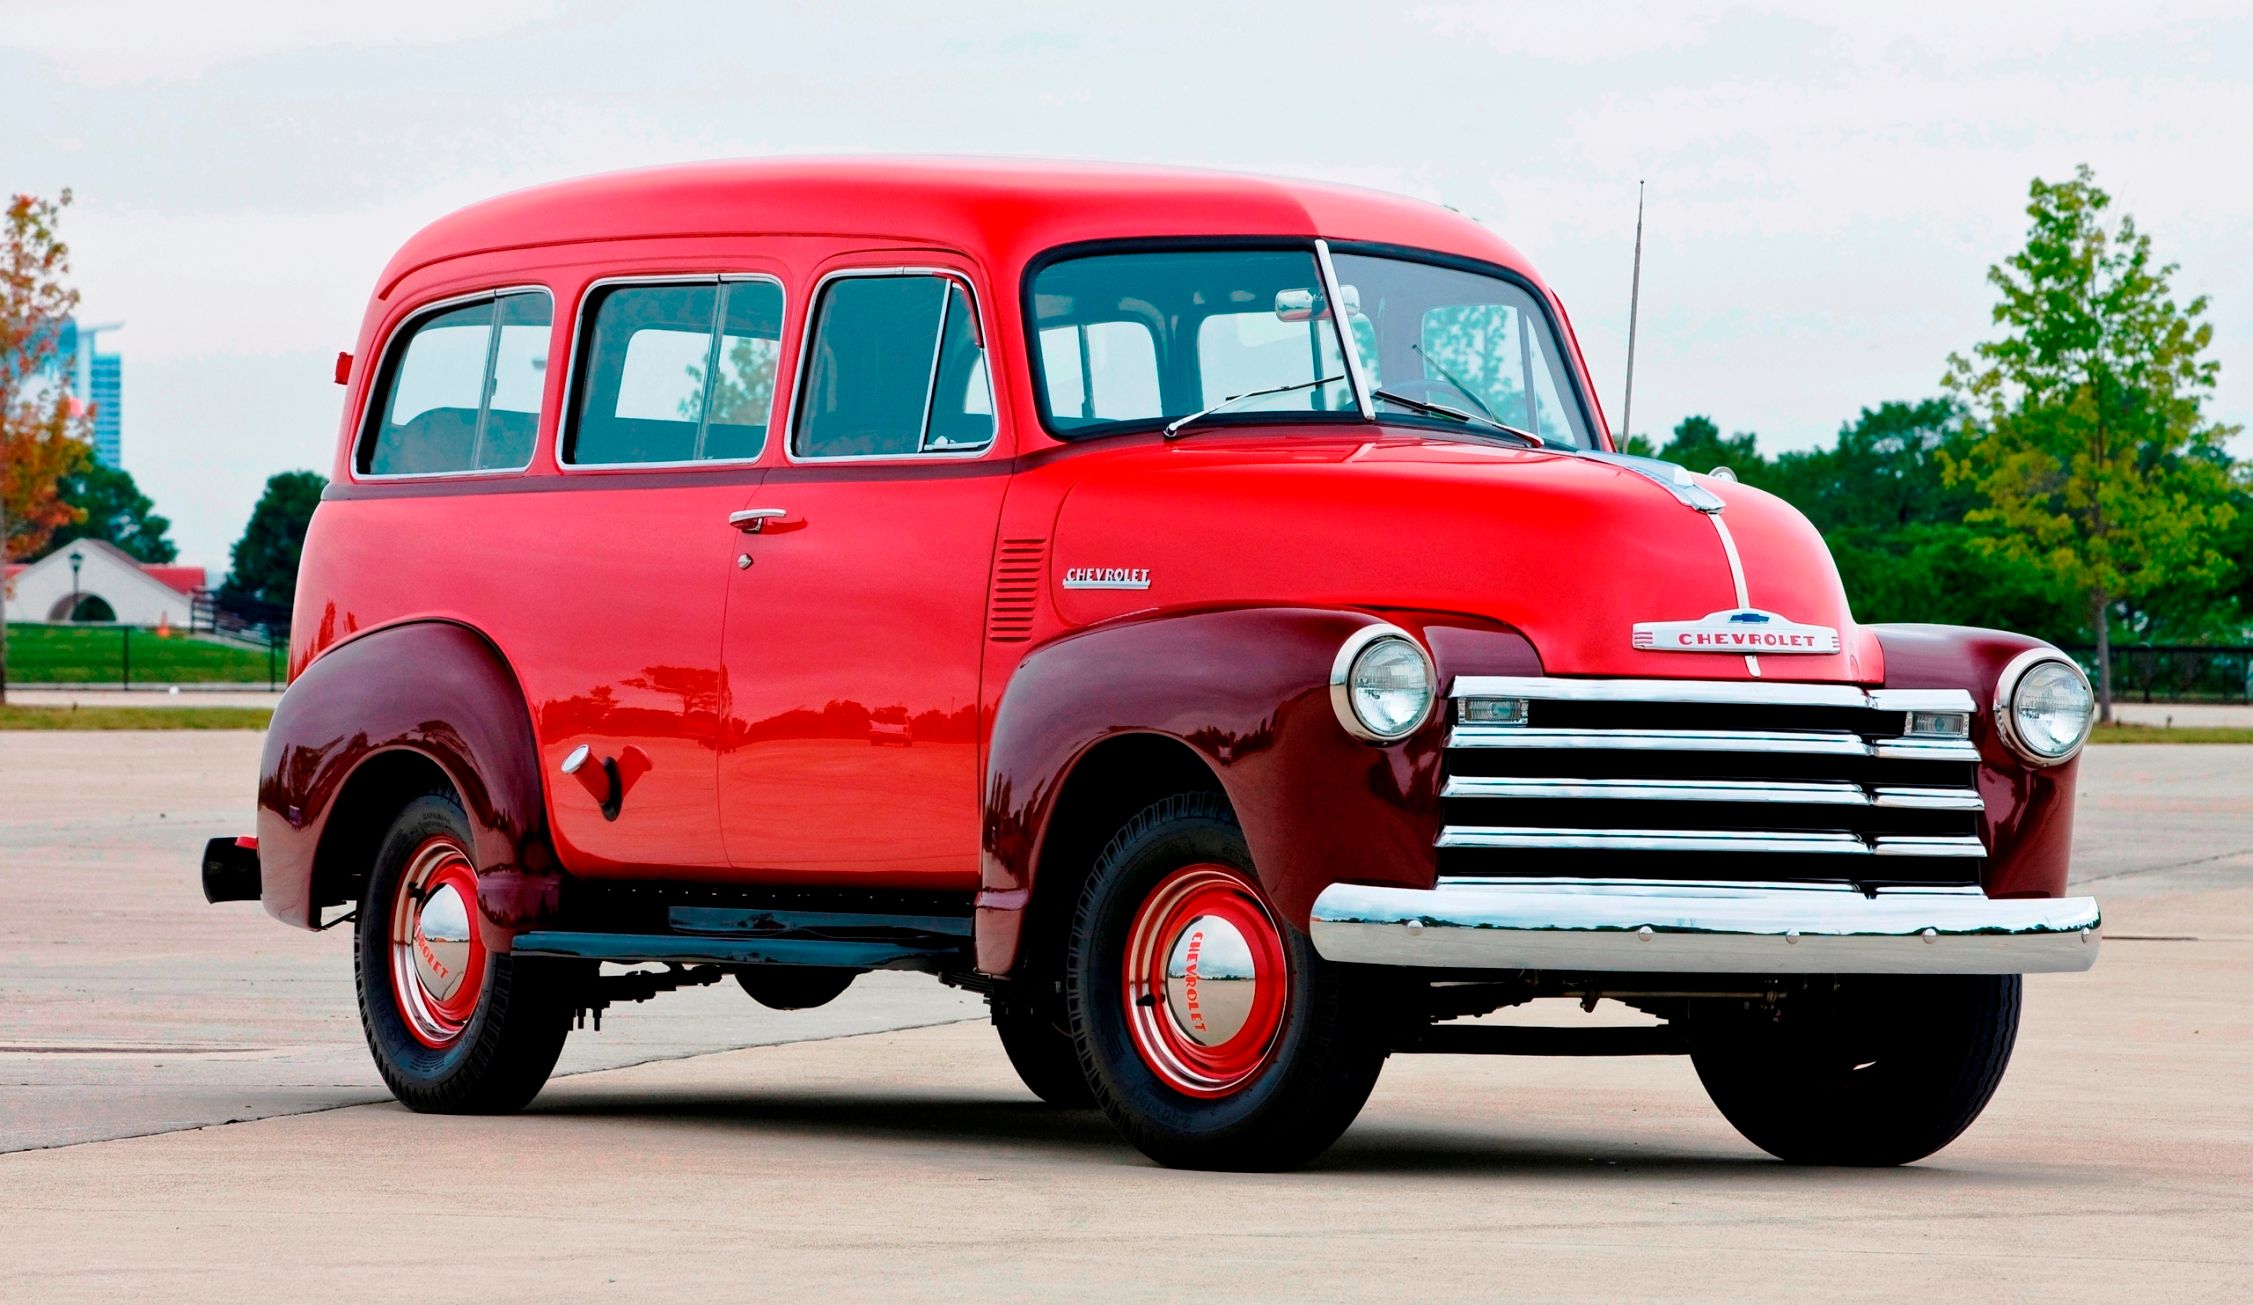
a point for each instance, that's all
(1699, 445)
(1885, 472)
(43, 427)
(265, 558)
(2096, 465)
(114, 509)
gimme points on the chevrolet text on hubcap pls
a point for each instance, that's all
(437, 958)
(1206, 983)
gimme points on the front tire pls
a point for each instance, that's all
(1211, 1033)
(1877, 1072)
(1038, 1041)
(453, 1027)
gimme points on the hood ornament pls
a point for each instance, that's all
(1741, 630)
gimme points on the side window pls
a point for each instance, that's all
(1102, 371)
(894, 366)
(675, 373)
(461, 390)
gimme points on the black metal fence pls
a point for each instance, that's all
(2175, 672)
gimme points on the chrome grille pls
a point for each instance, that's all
(1744, 780)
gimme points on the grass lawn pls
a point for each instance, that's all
(2177, 734)
(79, 654)
(134, 718)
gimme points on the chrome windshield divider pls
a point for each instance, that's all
(1363, 400)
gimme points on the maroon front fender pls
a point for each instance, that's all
(1247, 689)
(2029, 815)
(442, 693)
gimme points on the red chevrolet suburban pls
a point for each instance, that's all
(1207, 616)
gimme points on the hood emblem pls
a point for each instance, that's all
(1737, 630)
(1107, 577)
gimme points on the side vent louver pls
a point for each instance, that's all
(1016, 589)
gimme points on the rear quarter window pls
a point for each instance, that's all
(460, 389)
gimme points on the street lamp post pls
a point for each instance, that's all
(77, 560)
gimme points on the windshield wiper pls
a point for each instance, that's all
(1457, 414)
(1173, 428)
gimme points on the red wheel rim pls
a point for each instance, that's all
(1206, 981)
(437, 957)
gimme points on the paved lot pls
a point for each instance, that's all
(2117, 1162)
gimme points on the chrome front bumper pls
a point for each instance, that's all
(1670, 926)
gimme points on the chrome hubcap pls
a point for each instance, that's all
(442, 942)
(437, 959)
(1211, 981)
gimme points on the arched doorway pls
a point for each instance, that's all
(91, 607)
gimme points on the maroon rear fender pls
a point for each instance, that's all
(2029, 816)
(1246, 690)
(369, 716)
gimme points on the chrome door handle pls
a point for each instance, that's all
(752, 520)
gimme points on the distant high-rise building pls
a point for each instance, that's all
(100, 380)
(96, 378)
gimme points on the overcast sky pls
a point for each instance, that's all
(1828, 183)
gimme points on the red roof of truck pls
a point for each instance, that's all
(1003, 211)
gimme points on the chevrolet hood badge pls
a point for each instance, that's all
(1740, 630)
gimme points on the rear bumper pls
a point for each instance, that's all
(1667, 926)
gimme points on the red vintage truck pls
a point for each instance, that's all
(1204, 615)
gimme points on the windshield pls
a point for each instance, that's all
(1133, 341)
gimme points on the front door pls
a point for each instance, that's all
(849, 748)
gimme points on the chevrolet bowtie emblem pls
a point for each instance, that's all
(1739, 630)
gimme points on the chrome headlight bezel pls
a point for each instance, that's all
(2006, 708)
(1358, 645)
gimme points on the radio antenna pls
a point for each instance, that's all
(1634, 308)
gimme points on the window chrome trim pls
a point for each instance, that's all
(391, 344)
(790, 453)
(568, 418)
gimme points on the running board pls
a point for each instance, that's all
(736, 935)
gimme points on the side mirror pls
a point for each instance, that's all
(1309, 305)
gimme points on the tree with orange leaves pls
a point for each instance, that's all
(43, 427)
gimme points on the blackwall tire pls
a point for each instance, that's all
(1881, 1071)
(1040, 1048)
(484, 1045)
(1263, 1077)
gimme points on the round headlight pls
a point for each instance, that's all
(1382, 685)
(2044, 707)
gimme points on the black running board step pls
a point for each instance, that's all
(920, 953)
(1518, 1040)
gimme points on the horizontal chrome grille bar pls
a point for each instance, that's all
(1810, 842)
(1526, 837)
(1928, 799)
(1656, 790)
(1835, 743)
(1929, 845)
(1751, 693)
(1824, 743)
(1766, 792)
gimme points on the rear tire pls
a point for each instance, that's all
(1261, 1076)
(484, 1045)
(1882, 1071)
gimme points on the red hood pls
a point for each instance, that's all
(1571, 551)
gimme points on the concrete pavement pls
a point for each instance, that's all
(2117, 1161)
